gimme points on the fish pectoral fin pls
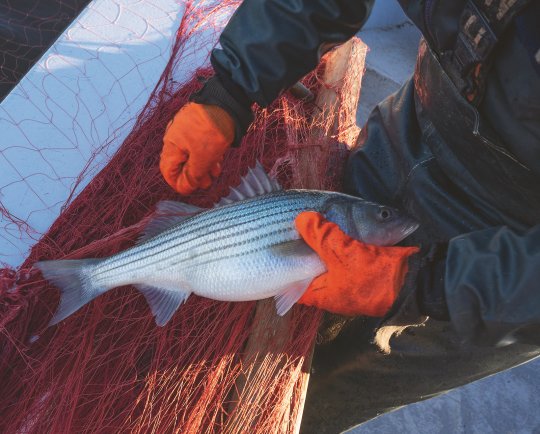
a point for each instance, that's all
(290, 295)
(294, 248)
(162, 301)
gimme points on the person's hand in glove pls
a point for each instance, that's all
(193, 146)
(199, 134)
(361, 279)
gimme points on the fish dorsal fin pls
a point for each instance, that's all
(174, 207)
(255, 183)
(168, 214)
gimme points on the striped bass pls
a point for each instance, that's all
(245, 248)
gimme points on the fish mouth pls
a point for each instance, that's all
(408, 229)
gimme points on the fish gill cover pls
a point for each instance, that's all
(108, 368)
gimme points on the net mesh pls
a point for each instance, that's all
(216, 367)
(27, 28)
(70, 113)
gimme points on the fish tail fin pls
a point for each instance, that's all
(73, 279)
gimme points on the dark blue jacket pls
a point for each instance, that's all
(487, 281)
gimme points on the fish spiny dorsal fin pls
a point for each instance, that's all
(168, 214)
(255, 183)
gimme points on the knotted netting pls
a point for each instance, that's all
(215, 367)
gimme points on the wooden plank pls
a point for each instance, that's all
(338, 101)
(271, 333)
(333, 128)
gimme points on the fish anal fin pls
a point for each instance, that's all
(290, 295)
(163, 302)
(255, 183)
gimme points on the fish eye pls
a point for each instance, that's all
(384, 214)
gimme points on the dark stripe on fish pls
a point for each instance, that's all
(260, 213)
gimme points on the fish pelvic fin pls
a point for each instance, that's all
(163, 302)
(290, 295)
(73, 279)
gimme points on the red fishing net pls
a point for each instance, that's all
(215, 367)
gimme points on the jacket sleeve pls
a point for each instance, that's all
(492, 284)
(268, 45)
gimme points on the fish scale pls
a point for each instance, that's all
(284, 206)
(247, 235)
(245, 250)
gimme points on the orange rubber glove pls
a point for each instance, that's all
(193, 146)
(362, 279)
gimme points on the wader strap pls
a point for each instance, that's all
(464, 135)
(481, 26)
